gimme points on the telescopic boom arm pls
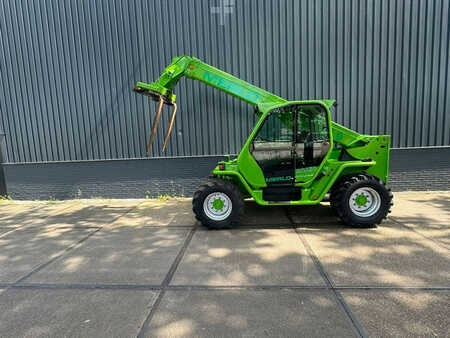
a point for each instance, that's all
(162, 90)
(195, 69)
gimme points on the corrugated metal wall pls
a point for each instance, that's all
(67, 69)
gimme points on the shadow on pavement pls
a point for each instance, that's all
(138, 246)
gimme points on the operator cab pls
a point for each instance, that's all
(289, 147)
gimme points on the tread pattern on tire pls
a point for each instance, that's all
(339, 203)
(212, 185)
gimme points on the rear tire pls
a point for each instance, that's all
(218, 204)
(361, 200)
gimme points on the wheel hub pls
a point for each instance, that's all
(365, 202)
(361, 200)
(217, 206)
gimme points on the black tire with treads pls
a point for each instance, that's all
(218, 185)
(343, 189)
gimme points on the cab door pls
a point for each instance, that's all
(290, 147)
(273, 147)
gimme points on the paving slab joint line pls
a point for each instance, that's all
(354, 323)
(157, 287)
(391, 288)
(443, 246)
(166, 282)
(71, 247)
(47, 286)
(246, 287)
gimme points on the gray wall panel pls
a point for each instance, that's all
(67, 69)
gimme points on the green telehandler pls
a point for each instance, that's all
(295, 155)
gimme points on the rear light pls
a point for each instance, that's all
(221, 166)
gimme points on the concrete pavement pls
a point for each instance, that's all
(145, 268)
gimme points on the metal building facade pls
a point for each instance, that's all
(67, 69)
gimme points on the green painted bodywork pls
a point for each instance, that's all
(349, 152)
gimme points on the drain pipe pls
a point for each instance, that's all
(3, 191)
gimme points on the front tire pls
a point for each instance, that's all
(361, 200)
(218, 204)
